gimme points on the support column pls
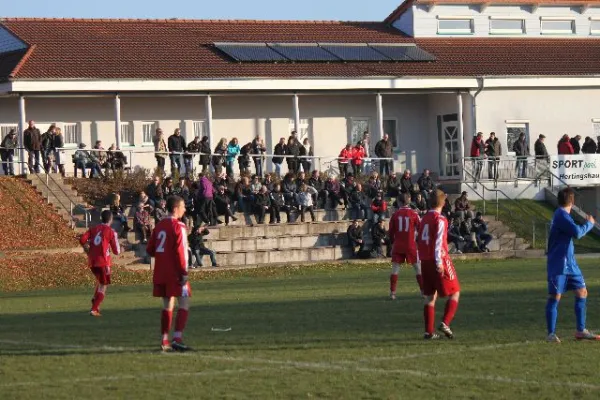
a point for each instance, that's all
(118, 121)
(209, 120)
(379, 101)
(22, 127)
(461, 134)
(296, 114)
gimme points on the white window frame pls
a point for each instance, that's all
(153, 126)
(303, 128)
(66, 126)
(198, 125)
(127, 135)
(594, 31)
(516, 124)
(573, 30)
(469, 31)
(596, 127)
(352, 119)
(497, 31)
(395, 133)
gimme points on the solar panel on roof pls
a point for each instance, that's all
(419, 54)
(404, 53)
(304, 52)
(250, 52)
(355, 52)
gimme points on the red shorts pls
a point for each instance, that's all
(409, 257)
(102, 275)
(173, 289)
(444, 284)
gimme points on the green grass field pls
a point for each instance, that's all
(319, 332)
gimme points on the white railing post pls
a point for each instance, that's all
(22, 125)
(379, 103)
(118, 120)
(209, 119)
(296, 113)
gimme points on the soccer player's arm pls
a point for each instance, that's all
(438, 245)
(114, 243)
(569, 226)
(393, 228)
(151, 246)
(181, 252)
(84, 240)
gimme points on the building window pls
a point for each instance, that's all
(359, 127)
(148, 132)
(303, 129)
(72, 134)
(390, 126)
(199, 129)
(5, 128)
(126, 134)
(551, 26)
(595, 27)
(507, 26)
(513, 131)
(455, 26)
(596, 127)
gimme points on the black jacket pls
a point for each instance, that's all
(258, 149)
(383, 149)
(354, 233)
(521, 148)
(196, 240)
(540, 149)
(32, 139)
(317, 183)
(277, 199)
(222, 201)
(378, 233)
(262, 200)
(176, 143)
(426, 183)
(244, 157)
(393, 186)
(576, 146)
(205, 149)
(406, 185)
(47, 140)
(289, 186)
(192, 147)
(478, 226)
(280, 150)
(589, 147)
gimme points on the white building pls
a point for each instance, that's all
(430, 75)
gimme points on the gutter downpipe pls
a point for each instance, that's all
(480, 87)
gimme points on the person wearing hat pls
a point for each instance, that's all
(82, 160)
(7, 152)
(380, 237)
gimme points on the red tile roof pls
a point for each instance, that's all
(180, 49)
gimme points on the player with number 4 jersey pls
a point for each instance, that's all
(98, 242)
(403, 230)
(439, 275)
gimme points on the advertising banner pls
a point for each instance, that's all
(576, 170)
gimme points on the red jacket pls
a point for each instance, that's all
(476, 146)
(564, 147)
(379, 206)
(358, 153)
(345, 156)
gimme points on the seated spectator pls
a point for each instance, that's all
(262, 204)
(243, 195)
(406, 183)
(419, 205)
(142, 222)
(393, 186)
(290, 189)
(462, 208)
(447, 209)
(301, 178)
(373, 185)
(479, 227)
(344, 160)
(333, 190)
(244, 158)
(455, 237)
(277, 205)
(160, 212)
(589, 146)
(182, 191)
(426, 185)
(167, 189)
(305, 201)
(379, 208)
(347, 185)
(100, 155)
(380, 238)
(119, 214)
(269, 182)
(355, 238)
(116, 159)
(222, 201)
(256, 185)
(155, 191)
(466, 231)
(199, 249)
(83, 160)
(143, 198)
(358, 203)
(316, 182)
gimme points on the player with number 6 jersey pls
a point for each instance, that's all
(439, 275)
(403, 230)
(98, 243)
(168, 245)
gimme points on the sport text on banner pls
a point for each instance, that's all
(576, 170)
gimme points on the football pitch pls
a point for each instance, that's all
(318, 332)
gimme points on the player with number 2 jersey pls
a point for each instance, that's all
(439, 275)
(98, 243)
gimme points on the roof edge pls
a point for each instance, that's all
(401, 9)
(181, 20)
(22, 62)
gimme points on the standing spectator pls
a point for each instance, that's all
(205, 201)
(305, 201)
(358, 203)
(358, 156)
(316, 182)
(293, 150)
(32, 141)
(564, 146)
(575, 144)
(541, 153)
(142, 222)
(47, 143)
(59, 153)
(521, 149)
(7, 151)
(306, 150)
(161, 150)
(160, 212)
(233, 150)
(462, 207)
(455, 237)
(262, 204)
(355, 238)
(199, 249)
(278, 205)
(406, 183)
(205, 153)
(279, 150)
(477, 154)
(223, 204)
(366, 144)
(589, 146)
(333, 190)
(258, 151)
(155, 191)
(344, 160)
(244, 158)
(383, 149)
(188, 158)
(426, 185)
(379, 208)
(380, 238)
(176, 145)
(219, 160)
(493, 150)
(482, 237)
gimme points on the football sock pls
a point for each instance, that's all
(429, 316)
(420, 282)
(165, 322)
(450, 311)
(98, 297)
(580, 311)
(551, 315)
(180, 322)
(393, 283)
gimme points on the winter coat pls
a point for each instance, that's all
(192, 147)
(142, 218)
(379, 206)
(406, 184)
(160, 147)
(317, 183)
(393, 186)
(205, 150)
(521, 148)
(383, 149)
(9, 143)
(565, 147)
(289, 186)
(354, 233)
(540, 149)
(262, 200)
(426, 183)
(358, 154)
(244, 157)
(333, 187)
(345, 156)
(589, 147)
(280, 150)
(378, 233)
(176, 144)
(82, 156)
(305, 198)
(206, 188)
(306, 152)
(222, 202)
(477, 147)
(159, 214)
(196, 240)
(47, 140)
(494, 148)
(461, 204)
(32, 139)
(277, 199)
(258, 149)
(220, 155)
(233, 150)
(576, 146)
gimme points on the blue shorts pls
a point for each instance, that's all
(560, 284)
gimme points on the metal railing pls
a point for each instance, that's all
(72, 207)
(505, 169)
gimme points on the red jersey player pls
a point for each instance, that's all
(403, 228)
(168, 245)
(98, 243)
(439, 275)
